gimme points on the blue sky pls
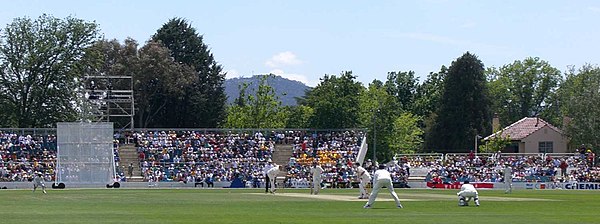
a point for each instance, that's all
(303, 40)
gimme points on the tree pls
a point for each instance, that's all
(579, 97)
(378, 110)
(496, 143)
(41, 69)
(158, 80)
(237, 117)
(464, 110)
(108, 58)
(262, 110)
(428, 94)
(498, 87)
(265, 106)
(523, 89)
(241, 99)
(202, 105)
(298, 116)
(403, 86)
(427, 99)
(406, 135)
(335, 101)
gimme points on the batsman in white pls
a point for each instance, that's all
(272, 174)
(467, 192)
(38, 181)
(382, 178)
(316, 172)
(364, 178)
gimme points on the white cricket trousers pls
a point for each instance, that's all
(468, 195)
(378, 185)
(316, 185)
(272, 182)
(362, 186)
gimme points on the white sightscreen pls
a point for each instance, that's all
(363, 151)
(85, 153)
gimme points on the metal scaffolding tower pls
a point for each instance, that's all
(112, 97)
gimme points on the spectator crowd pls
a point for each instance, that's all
(213, 156)
(208, 157)
(525, 168)
(23, 155)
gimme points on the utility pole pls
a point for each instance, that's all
(477, 137)
(375, 132)
(374, 139)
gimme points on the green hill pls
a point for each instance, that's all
(286, 89)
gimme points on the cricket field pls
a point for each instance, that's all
(293, 206)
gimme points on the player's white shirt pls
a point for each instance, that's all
(317, 171)
(507, 173)
(267, 168)
(382, 175)
(272, 173)
(362, 173)
(468, 188)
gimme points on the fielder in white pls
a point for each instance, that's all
(382, 178)
(467, 192)
(272, 174)
(316, 172)
(508, 179)
(364, 178)
(38, 181)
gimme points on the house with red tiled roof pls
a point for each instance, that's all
(533, 135)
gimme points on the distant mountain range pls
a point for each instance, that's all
(286, 89)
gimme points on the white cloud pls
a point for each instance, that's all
(571, 18)
(469, 24)
(296, 77)
(283, 59)
(232, 73)
(594, 8)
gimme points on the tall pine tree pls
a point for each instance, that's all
(464, 110)
(203, 105)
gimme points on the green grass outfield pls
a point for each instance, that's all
(292, 206)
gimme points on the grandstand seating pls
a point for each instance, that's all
(335, 151)
(525, 167)
(195, 155)
(177, 155)
(221, 155)
(23, 154)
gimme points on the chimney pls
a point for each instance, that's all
(495, 123)
(565, 122)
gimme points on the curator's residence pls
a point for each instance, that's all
(532, 135)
